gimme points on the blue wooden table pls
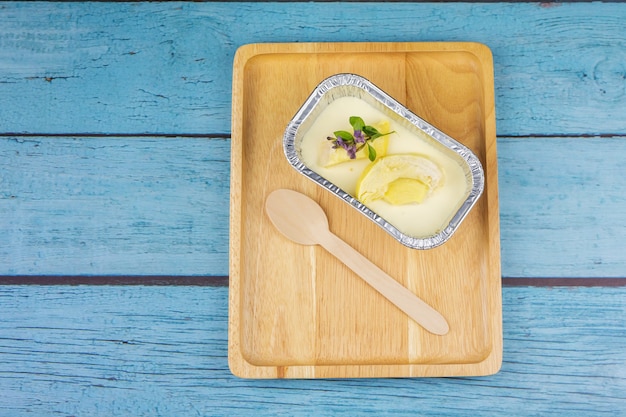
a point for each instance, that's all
(114, 190)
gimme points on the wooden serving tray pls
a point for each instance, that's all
(296, 311)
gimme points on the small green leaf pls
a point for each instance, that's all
(370, 131)
(371, 152)
(346, 136)
(357, 123)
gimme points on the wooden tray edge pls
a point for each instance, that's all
(237, 363)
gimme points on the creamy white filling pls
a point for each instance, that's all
(416, 220)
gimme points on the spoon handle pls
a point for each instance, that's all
(429, 318)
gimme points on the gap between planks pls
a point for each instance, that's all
(605, 135)
(117, 135)
(222, 281)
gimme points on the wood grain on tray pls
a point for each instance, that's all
(295, 311)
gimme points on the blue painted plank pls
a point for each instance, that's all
(166, 67)
(120, 351)
(562, 206)
(111, 206)
(159, 206)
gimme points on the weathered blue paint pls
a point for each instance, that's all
(562, 207)
(161, 351)
(166, 67)
(110, 206)
(159, 206)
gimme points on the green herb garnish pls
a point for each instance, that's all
(361, 137)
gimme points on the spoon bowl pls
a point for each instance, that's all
(297, 216)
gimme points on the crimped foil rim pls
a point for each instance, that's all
(346, 79)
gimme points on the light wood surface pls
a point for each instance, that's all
(298, 312)
(303, 221)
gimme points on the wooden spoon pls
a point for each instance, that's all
(303, 221)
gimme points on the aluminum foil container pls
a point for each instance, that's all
(342, 85)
